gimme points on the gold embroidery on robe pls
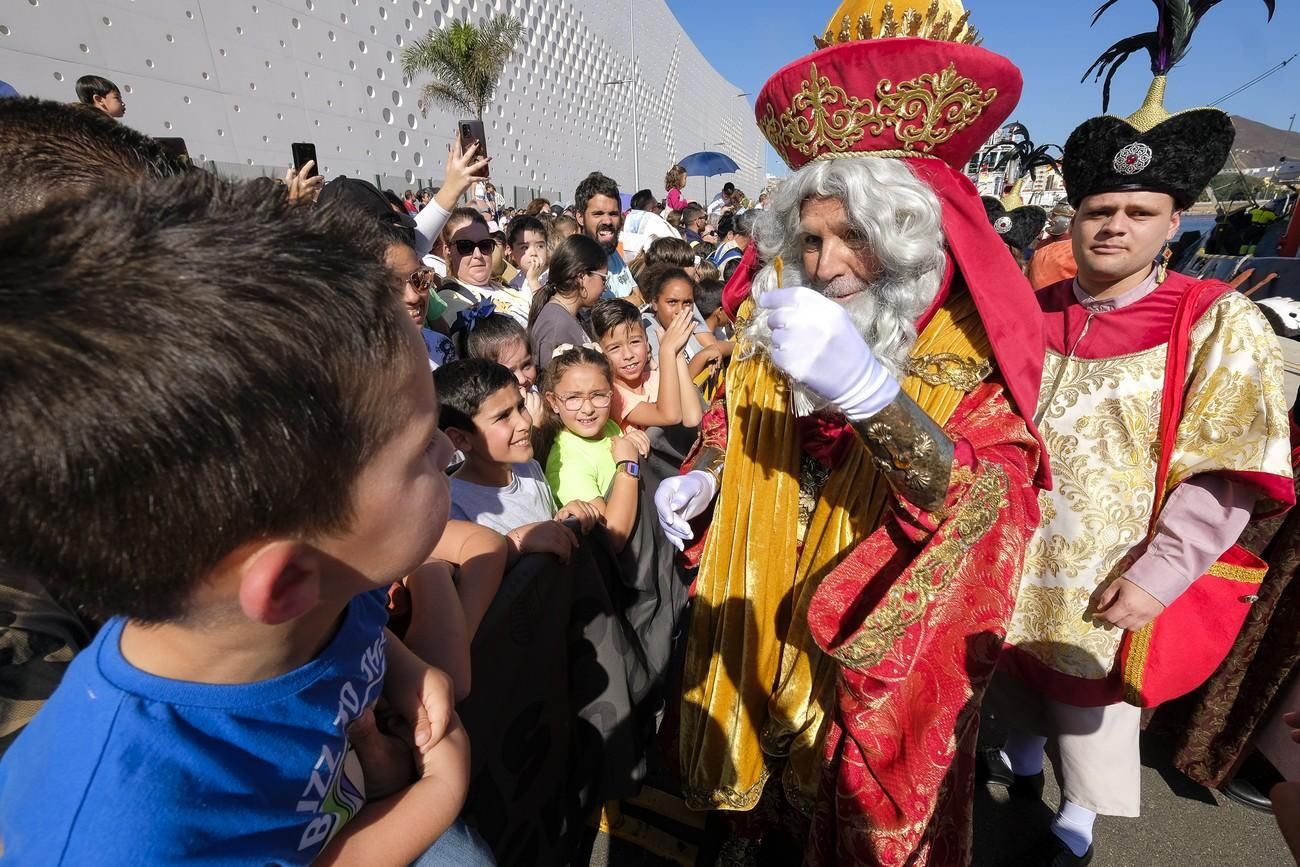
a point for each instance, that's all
(1100, 422)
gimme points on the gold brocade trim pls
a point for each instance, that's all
(1136, 665)
(948, 368)
(922, 113)
(1243, 574)
(725, 797)
(907, 601)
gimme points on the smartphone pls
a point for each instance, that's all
(305, 152)
(471, 131)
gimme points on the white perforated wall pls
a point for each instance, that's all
(240, 80)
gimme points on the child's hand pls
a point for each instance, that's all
(544, 537)
(385, 760)
(533, 269)
(711, 354)
(533, 403)
(677, 334)
(581, 511)
(419, 693)
(631, 446)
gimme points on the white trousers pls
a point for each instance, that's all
(1094, 749)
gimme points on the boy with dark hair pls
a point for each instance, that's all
(100, 93)
(500, 486)
(529, 252)
(219, 433)
(49, 149)
(600, 216)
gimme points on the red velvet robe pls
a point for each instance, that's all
(916, 616)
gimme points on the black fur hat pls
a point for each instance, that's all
(1178, 156)
(1151, 149)
(1017, 227)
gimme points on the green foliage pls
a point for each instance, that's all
(465, 61)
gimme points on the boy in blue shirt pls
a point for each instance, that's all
(220, 433)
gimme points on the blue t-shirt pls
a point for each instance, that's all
(123, 767)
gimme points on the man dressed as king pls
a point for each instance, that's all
(870, 466)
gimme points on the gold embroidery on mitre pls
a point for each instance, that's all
(942, 20)
(824, 121)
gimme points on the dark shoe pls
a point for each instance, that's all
(992, 769)
(1051, 851)
(1244, 792)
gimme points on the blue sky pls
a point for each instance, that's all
(1052, 44)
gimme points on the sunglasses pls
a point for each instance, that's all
(421, 280)
(465, 248)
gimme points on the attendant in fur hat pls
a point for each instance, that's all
(1146, 500)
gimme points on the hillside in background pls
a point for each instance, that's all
(1258, 145)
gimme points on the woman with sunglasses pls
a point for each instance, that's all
(469, 271)
(578, 272)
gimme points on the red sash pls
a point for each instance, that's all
(1179, 650)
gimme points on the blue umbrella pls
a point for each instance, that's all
(706, 164)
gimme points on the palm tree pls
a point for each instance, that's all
(465, 60)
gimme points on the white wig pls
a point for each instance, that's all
(899, 218)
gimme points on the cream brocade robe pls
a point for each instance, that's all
(1099, 415)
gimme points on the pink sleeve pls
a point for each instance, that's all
(1202, 518)
(675, 200)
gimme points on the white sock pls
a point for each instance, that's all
(1024, 753)
(1073, 825)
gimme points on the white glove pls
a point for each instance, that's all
(817, 345)
(681, 498)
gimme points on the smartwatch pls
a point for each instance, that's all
(632, 468)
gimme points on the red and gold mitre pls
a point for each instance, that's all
(898, 78)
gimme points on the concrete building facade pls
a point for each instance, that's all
(240, 80)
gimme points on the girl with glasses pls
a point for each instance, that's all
(589, 459)
(574, 283)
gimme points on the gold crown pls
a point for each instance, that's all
(941, 20)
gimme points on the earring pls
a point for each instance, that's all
(1162, 266)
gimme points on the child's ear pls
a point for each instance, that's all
(553, 402)
(460, 439)
(278, 581)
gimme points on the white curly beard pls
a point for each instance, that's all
(888, 331)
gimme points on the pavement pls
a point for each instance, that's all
(1182, 824)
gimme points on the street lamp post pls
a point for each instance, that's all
(636, 119)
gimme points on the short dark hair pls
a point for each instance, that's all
(397, 228)
(669, 251)
(691, 212)
(464, 385)
(657, 278)
(708, 297)
(608, 315)
(188, 365)
(91, 86)
(519, 225)
(643, 200)
(728, 187)
(595, 184)
(48, 149)
(726, 225)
